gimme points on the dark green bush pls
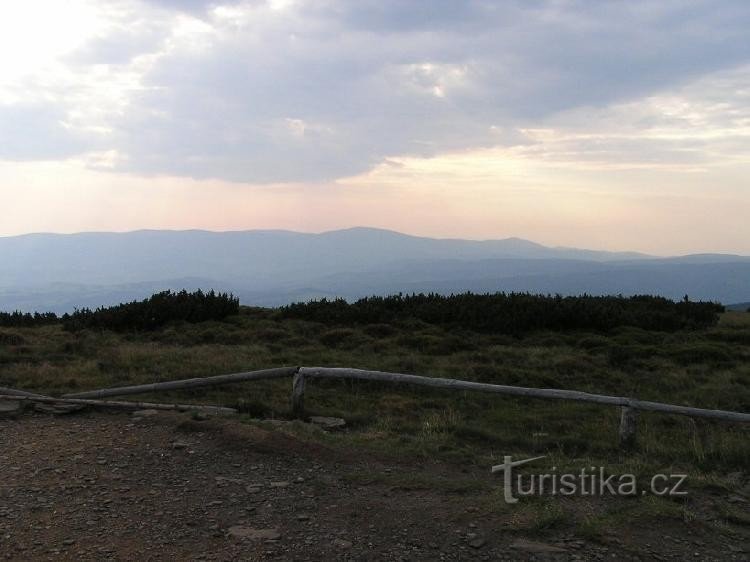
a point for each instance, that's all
(620, 355)
(485, 373)
(272, 334)
(155, 312)
(593, 342)
(11, 339)
(379, 330)
(572, 365)
(704, 352)
(25, 320)
(740, 337)
(514, 313)
(340, 338)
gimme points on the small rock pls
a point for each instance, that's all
(225, 480)
(341, 543)
(178, 445)
(145, 413)
(478, 542)
(280, 484)
(10, 408)
(328, 423)
(57, 409)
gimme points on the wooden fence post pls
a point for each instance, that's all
(298, 394)
(628, 427)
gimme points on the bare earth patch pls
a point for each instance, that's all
(99, 486)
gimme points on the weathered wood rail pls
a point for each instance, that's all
(217, 410)
(187, 383)
(16, 392)
(549, 393)
(628, 418)
(629, 406)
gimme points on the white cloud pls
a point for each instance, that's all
(702, 125)
(307, 91)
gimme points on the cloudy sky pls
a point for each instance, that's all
(609, 124)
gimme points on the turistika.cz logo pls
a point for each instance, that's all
(590, 481)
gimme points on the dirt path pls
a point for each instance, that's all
(110, 486)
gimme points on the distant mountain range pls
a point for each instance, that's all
(59, 272)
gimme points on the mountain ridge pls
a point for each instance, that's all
(270, 267)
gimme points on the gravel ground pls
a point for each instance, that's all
(97, 486)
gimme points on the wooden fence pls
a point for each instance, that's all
(301, 375)
(628, 413)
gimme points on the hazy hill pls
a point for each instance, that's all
(59, 272)
(245, 256)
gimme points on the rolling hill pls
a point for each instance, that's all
(59, 272)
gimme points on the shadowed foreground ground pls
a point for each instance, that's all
(114, 486)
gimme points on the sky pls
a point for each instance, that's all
(619, 125)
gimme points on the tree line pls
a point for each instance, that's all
(156, 311)
(502, 313)
(27, 320)
(514, 313)
(148, 314)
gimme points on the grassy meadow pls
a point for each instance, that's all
(707, 368)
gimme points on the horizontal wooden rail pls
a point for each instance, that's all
(629, 406)
(549, 393)
(187, 383)
(56, 408)
(121, 404)
(16, 392)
